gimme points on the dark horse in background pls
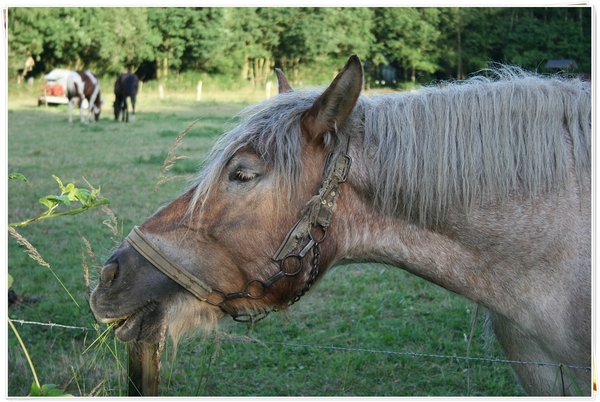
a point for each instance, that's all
(481, 187)
(84, 85)
(125, 86)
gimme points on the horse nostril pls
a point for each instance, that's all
(109, 272)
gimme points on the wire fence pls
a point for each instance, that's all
(345, 349)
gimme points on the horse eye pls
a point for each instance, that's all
(243, 176)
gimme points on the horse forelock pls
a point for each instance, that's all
(272, 129)
(455, 145)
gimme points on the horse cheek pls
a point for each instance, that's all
(242, 227)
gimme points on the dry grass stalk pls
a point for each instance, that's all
(89, 250)
(31, 251)
(171, 158)
(112, 224)
(96, 391)
(86, 272)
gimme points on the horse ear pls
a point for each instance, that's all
(332, 109)
(284, 85)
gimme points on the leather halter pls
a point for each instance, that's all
(317, 212)
(168, 267)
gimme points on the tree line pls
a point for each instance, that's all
(396, 44)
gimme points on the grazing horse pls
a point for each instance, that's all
(481, 187)
(125, 86)
(84, 85)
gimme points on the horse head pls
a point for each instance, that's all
(236, 232)
(97, 108)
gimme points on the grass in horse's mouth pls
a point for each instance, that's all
(147, 308)
(120, 322)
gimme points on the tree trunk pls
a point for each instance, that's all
(245, 68)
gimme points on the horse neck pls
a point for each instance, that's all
(365, 235)
(364, 232)
(477, 254)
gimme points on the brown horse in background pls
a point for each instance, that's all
(481, 187)
(125, 86)
(84, 85)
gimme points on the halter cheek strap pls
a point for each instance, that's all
(156, 257)
(319, 210)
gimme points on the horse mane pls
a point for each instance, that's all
(441, 146)
(482, 138)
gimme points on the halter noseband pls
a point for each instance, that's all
(168, 267)
(317, 212)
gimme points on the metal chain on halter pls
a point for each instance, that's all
(313, 273)
(265, 284)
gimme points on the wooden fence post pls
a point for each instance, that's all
(199, 91)
(143, 369)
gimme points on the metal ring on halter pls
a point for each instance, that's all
(264, 287)
(282, 263)
(322, 239)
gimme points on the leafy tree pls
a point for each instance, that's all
(409, 38)
(254, 37)
(210, 43)
(107, 39)
(185, 35)
(535, 35)
(306, 42)
(127, 40)
(322, 37)
(25, 36)
(470, 38)
(72, 38)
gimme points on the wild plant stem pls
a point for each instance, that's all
(66, 213)
(25, 351)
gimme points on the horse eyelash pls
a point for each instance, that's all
(243, 176)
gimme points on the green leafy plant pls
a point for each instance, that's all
(18, 176)
(46, 390)
(69, 193)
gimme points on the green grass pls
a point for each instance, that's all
(370, 307)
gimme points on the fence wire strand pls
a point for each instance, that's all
(344, 349)
(49, 324)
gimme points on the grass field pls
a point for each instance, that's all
(392, 334)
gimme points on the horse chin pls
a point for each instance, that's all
(188, 313)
